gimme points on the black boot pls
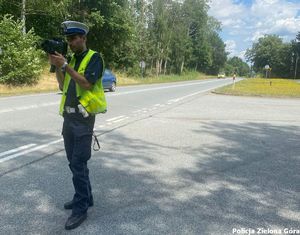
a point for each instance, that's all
(75, 220)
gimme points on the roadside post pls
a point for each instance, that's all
(1, 52)
(296, 65)
(142, 66)
(268, 70)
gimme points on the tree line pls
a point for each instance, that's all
(170, 36)
(281, 57)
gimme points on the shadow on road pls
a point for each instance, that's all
(255, 172)
(248, 177)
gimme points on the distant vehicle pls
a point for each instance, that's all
(109, 81)
(221, 75)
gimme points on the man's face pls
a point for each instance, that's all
(76, 43)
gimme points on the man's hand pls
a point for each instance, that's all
(57, 60)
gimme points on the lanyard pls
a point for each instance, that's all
(96, 145)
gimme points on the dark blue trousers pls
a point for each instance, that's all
(78, 139)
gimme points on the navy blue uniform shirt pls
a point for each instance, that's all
(92, 73)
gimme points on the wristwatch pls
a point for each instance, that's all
(63, 68)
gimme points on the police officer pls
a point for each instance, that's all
(82, 99)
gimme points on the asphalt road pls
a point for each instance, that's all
(175, 159)
(30, 123)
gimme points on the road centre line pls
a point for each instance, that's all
(186, 96)
(34, 106)
(49, 104)
(29, 151)
(120, 120)
(160, 88)
(137, 111)
(25, 96)
(115, 118)
(6, 110)
(16, 149)
(172, 101)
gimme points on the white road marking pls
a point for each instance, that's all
(34, 106)
(49, 104)
(22, 108)
(6, 110)
(170, 101)
(16, 149)
(160, 88)
(25, 96)
(29, 151)
(120, 120)
(137, 111)
(115, 118)
(186, 96)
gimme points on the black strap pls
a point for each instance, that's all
(96, 142)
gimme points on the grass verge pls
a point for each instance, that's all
(262, 87)
(124, 80)
(48, 82)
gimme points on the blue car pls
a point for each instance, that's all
(109, 80)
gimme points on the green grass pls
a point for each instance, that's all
(263, 87)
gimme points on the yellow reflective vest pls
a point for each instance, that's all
(92, 100)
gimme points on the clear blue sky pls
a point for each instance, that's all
(244, 21)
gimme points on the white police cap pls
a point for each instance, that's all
(74, 27)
